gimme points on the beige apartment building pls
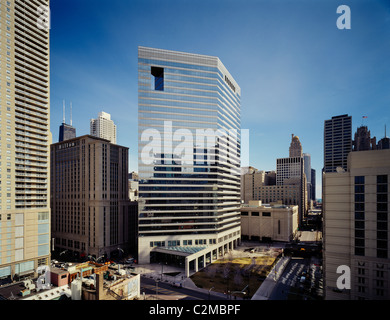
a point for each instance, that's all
(25, 139)
(356, 227)
(261, 186)
(89, 197)
(262, 222)
(252, 179)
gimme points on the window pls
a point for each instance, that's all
(359, 180)
(359, 251)
(381, 206)
(266, 214)
(158, 74)
(359, 197)
(381, 179)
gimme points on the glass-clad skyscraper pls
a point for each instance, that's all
(189, 124)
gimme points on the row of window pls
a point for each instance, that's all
(256, 214)
(382, 211)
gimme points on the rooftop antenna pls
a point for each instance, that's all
(63, 111)
(385, 132)
(71, 113)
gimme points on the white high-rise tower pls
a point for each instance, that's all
(103, 127)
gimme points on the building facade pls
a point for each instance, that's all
(189, 126)
(66, 132)
(356, 227)
(362, 140)
(252, 180)
(25, 139)
(103, 127)
(89, 197)
(313, 185)
(337, 142)
(269, 222)
(291, 171)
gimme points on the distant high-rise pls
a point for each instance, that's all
(291, 171)
(337, 142)
(67, 131)
(384, 143)
(295, 147)
(103, 127)
(313, 184)
(363, 140)
(307, 170)
(25, 139)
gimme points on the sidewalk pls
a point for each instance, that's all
(266, 288)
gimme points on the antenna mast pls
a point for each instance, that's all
(71, 113)
(63, 111)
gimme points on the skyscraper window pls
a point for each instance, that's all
(158, 74)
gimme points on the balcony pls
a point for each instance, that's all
(32, 113)
(26, 23)
(25, 76)
(41, 64)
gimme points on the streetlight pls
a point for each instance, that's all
(156, 288)
(119, 249)
(210, 291)
(242, 291)
(162, 269)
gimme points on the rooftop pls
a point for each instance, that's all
(188, 250)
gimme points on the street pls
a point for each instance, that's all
(149, 287)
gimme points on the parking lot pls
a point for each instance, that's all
(301, 279)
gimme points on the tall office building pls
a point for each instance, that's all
(103, 127)
(25, 139)
(291, 171)
(313, 184)
(337, 142)
(89, 197)
(67, 131)
(356, 228)
(307, 170)
(295, 149)
(189, 157)
(363, 140)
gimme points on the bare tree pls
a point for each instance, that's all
(211, 271)
(226, 271)
(237, 276)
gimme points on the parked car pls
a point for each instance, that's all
(177, 284)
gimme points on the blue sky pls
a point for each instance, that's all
(294, 66)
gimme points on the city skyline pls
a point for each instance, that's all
(295, 67)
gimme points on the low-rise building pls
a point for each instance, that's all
(265, 222)
(83, 281)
